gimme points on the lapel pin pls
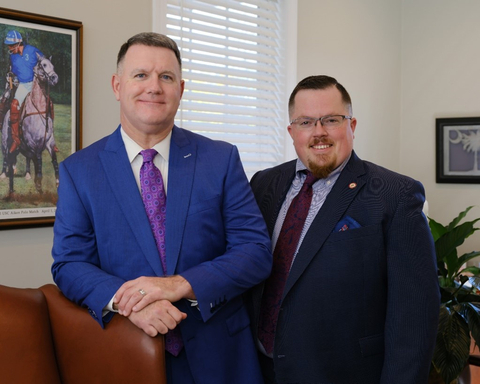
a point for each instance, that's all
(187, 155)
(352, 185)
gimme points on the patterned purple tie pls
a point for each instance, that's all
(155, 202)
(282, 260)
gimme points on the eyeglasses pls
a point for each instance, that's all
(328, 122)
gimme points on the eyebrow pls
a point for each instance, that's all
(137, 70)
(143, 70)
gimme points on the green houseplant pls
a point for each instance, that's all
(460, 297)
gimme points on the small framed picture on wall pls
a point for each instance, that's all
(458, 150)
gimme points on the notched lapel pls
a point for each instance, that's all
(183, 155)
(273, 194)
(119, 175)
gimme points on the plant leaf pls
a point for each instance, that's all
(446, 245)
(472, 314)
(466, 296)
(442, 270)
(468, 256)
(446, 294)
(453, 344)
(436, 228)
(471, 269)
(451, 261)
(460, 216)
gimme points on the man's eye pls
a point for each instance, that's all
(306, 122)
(331, 120)
(140, 75)
(167, 77)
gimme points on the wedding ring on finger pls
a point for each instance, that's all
(142, 292)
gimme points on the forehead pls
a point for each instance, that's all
(323, 101)
(147, 57)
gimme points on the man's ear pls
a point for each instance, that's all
(353, 124)
(182, 86)
(116, 86)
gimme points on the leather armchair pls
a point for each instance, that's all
(26, 345)
(47, 339)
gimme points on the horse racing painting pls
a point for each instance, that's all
(40, 101)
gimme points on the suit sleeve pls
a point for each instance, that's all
(76, 267)
(413, 293)
(247, 260)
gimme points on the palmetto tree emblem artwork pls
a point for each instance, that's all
(470, 142)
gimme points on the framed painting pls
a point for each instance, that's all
(457, 150)
(40, 112)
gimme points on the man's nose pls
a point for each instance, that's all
(155, 85)
(318, 128)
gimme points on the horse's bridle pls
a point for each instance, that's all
(44, 74)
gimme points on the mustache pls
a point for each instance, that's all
(320, 140)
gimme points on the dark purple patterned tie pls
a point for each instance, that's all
(155, 202)
(282, 260)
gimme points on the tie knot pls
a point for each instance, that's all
(310, 180)
(148, 154)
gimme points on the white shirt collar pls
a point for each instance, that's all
(133, 149)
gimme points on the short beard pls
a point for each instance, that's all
(322, 171)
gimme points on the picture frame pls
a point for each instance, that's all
(457, 150)
(49, 119)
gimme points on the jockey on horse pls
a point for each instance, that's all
(23, 58)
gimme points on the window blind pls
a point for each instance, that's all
(232, 56)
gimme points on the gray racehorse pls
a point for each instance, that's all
(36, 125)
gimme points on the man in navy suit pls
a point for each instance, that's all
(217, 246)
(360, 303)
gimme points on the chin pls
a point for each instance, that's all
(323, 169)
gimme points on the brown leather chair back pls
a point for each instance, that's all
(26, 348)
(121, 353)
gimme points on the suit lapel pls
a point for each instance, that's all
(119, 175)
(349, 183)
(183, 155)
(279, 186)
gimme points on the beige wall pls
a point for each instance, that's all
(405, 62)
(358, 43)
(25, 253)
(440, 78)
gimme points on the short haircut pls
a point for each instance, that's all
(150, 39)
(319, 82)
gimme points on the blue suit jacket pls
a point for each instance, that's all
(361, 302)
(215, 237)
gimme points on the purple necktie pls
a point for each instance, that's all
(155, 202)
(282, 260)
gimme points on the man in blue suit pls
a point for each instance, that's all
(360, 300)
(105, 255)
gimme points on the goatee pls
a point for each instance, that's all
(321, 171)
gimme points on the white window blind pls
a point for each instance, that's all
(232, 56)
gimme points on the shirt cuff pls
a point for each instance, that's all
(109, 307)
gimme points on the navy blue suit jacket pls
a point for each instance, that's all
(215, 237)
(361, 305)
